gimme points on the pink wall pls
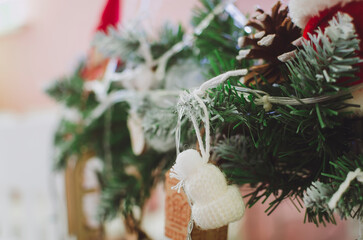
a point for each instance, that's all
(58, 35)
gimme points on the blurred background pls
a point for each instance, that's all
(41, 40)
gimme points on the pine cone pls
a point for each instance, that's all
(274, 37)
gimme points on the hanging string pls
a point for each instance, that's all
(214, 82)
(293, 101)
(199, 92)
(206, 153)
(178, 132)
(191, 222)
(199, 137)
(189, 112)
(263, 98)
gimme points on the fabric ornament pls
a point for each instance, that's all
(313, 14)
(214, 204)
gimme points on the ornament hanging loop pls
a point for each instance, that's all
(204, 150)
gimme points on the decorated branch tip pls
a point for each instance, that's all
(341, 195)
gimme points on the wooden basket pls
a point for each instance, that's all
(78, 225)
(177, 211)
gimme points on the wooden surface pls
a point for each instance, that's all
(177, 211)
(77, 222)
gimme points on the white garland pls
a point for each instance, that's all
(357, 174)
(102, 87)
(188, 40)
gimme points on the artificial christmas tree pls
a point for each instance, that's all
(279, 126)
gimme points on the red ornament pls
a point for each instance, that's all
(313, 14)
(110, 15)
(96, 63)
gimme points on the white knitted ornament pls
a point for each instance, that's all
(214, 204)
(228, 208)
